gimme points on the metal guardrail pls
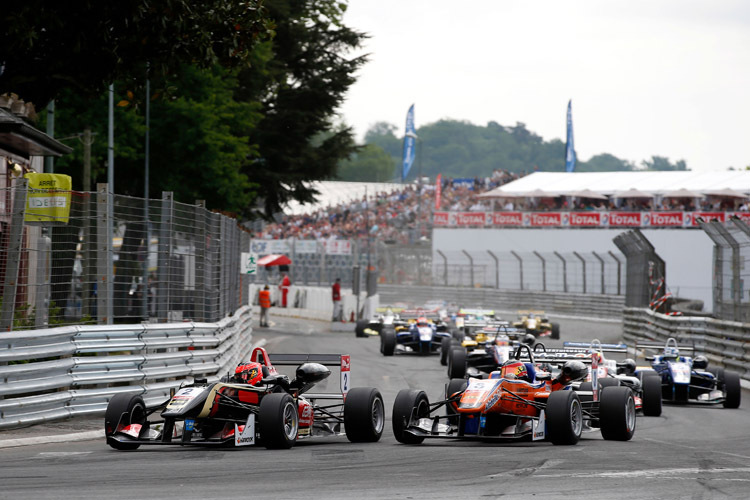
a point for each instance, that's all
(57, 373)
(725, 343)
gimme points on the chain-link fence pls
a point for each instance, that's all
(118, 259)
(731, 270)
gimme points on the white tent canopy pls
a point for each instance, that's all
(610, 183)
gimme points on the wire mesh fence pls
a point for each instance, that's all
(731, 257)
(117, 259)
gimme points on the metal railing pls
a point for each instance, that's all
(61, 372)
(118, 259)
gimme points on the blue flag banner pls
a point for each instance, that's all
(409, 139)
(570, 152)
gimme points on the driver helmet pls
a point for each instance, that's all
(515, 370)
(671, 352)
(421, 321)
(248, 373)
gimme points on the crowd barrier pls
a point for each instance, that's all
(311, 302)
(57, 373)
(725, 343)
(588, 218)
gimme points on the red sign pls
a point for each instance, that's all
(440, 218)
(667, 219)
(707, 216)
(470, 219)
(545, 219)
(586, 219)
(744, 216)
(630, 219)
(507, 218)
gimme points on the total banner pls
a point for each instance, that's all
(580, 219)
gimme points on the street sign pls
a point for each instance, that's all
(249, 263)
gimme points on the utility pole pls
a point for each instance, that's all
(49, 161)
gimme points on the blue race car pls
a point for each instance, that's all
(686, 379)
(420, 336)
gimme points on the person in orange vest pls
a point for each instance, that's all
(336, 295)
(264, 299)
(284, 287)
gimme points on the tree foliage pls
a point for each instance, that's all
(84, 46)
(369, 164)
(461, 149)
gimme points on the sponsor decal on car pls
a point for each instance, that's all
(538, 427)
(244, 435)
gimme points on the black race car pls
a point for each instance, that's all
(255, 405)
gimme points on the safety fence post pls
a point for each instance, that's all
(619, 270)
(445, 267)
(601, 261)
(565, 271)
(520, 266)
(497, 269)
(544, 271)
(471, 267)
(583, 262)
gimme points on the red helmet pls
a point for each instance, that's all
(515, 369)
(248, 373)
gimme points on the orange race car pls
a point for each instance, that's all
(521, 401)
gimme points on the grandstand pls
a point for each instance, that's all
(338, 192)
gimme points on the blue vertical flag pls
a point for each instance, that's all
(570, 152)
(409, 139)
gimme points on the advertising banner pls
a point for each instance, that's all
(470, 219)
(48, 199)
(507, 219)
(585, 219)
(542, 219)
(625, 219)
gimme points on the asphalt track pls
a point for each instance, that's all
(688, 452)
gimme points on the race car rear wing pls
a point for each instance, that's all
(641, 347)
(343, 361)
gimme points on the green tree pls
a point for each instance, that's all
(369, 164)
(85, 45)
(662, 163)
(604, 162)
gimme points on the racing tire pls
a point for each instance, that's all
(457, 363)
(359, 330)
(607, 382)
(458, 335)
(445, 346)
(651, 396)
(555, 331)
(718, 374)
(387, 342)
(564, 418)
(585, 387)
(128, 407)
(455, 385)
(278, 421)
(617, 413)
(408, 402)
(364, 415)
(732, 390)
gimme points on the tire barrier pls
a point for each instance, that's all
(57, 373)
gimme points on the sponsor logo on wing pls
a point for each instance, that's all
(493, 399)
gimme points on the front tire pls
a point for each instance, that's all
(617, 413)
(564, 418)
(359, 330)
(651, 396)
(555, 330)
(732, 390)
(278, 421)
(388, 342)
(125, 409)
(408, 402)
(454, 386)
(364, 415)
(445, 346)
(457, 363)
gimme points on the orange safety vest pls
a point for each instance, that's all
(264, 299)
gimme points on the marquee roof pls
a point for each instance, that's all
(611, 183)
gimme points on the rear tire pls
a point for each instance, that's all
(459, 335)
(408, 402)
(555, 331)
(126, 409)
(617, 413)
(359, 330)
(454, 386)
(732, 389)
(651, 395)
(457, 363)
(364, 415)
(445, 346)
(564, 418)
(387, 342)
(278, 420)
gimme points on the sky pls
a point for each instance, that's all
(647, 78)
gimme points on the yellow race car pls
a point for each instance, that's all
(537, 324)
